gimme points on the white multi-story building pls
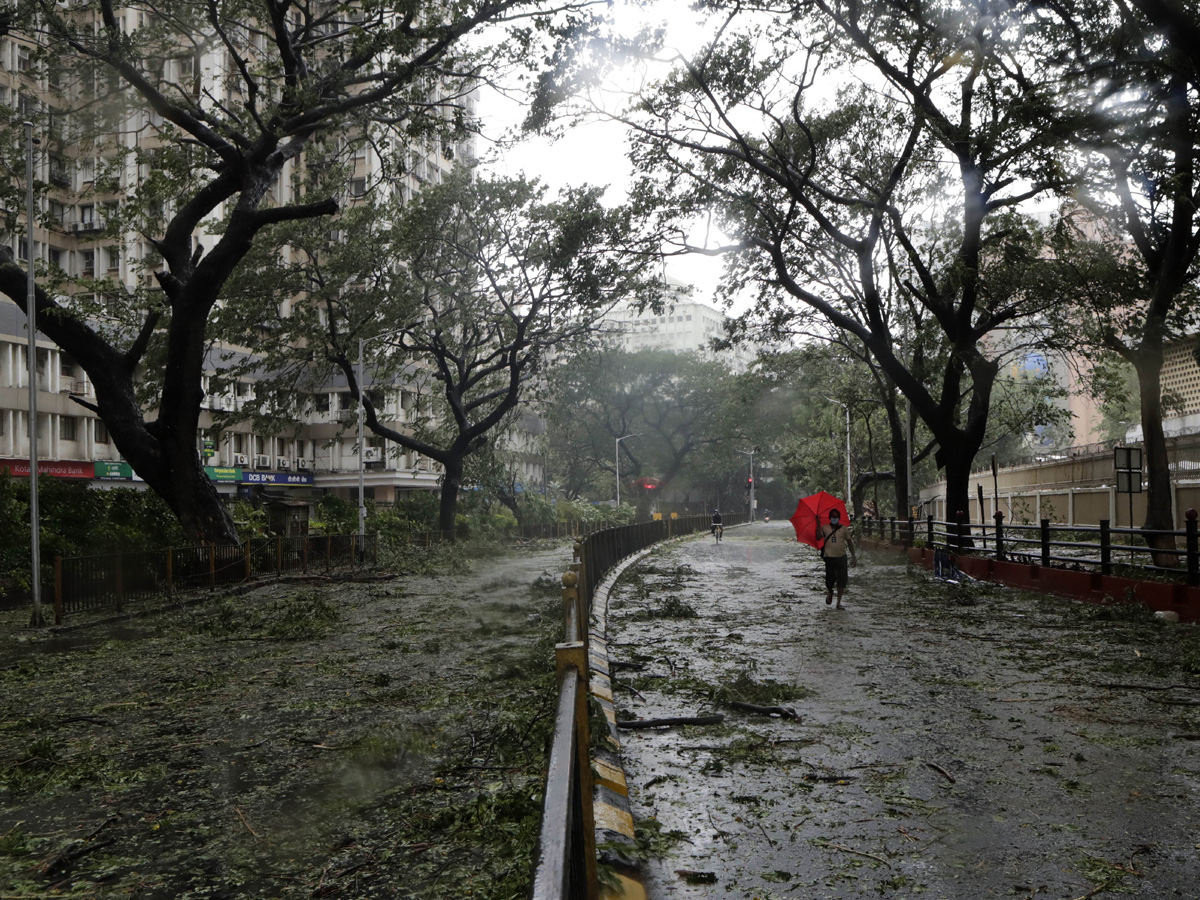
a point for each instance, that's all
(684, 326)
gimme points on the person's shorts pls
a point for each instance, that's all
(837, 572)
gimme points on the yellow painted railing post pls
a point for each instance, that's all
(574, 654)
(572, 628)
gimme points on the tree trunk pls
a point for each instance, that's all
(448, 507)
(1159, 514)
(958, 489)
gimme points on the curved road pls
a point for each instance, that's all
(954, 742)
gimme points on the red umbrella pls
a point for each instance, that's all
(813, 511)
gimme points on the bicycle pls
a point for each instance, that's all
(717, 531)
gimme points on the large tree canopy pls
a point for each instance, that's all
(891, 209)
(1133, 70)
(201, 124)
(483, 287)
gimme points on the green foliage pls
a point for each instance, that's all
(335, 515)
(759, 693)
(76, 520)
(251, 520)
(682, 414)
(303, 616)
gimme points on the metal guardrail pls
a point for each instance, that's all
(84, 583)
(565, 865)
(1099, 548)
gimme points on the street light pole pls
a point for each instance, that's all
(847, 409)
(751, 453)
(362, 505)
(617, 461)
(35, 525)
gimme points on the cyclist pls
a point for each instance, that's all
(717, 527)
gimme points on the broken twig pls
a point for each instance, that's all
(674, 720)
(783, 711)
(941, 771)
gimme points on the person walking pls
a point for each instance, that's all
(835, 543)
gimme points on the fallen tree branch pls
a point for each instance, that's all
(69, 854)
(238, 810)
(783, 711)
(676, 720)
(628, 687)
(855, 852)
(950, 778)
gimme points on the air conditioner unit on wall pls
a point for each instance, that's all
(283, 463)
(370, 454)
(262, 462)
(239, 459)
(303, 464)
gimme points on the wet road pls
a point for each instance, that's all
(952, 742)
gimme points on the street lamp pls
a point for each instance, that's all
(362, 505)
(751, 453)
(847, 409)
(617, 460)
(35, 525)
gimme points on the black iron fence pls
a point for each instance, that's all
(84, 583)
(1097, 548)
(565, 868)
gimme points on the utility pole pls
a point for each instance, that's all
(750, 480)
(35, 523)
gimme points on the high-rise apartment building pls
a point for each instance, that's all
(79, 241)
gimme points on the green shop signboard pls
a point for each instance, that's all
(113, 471)
(221, 473)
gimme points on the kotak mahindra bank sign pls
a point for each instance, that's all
(58, 469)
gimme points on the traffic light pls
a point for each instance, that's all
(750, 482)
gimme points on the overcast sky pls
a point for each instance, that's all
(596, 152)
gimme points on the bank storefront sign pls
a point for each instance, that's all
(238, 475)
(19, 468)
(113, 471)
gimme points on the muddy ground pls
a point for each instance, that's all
(302, 740)
(954, 742)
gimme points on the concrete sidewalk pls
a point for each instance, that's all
(953, 742)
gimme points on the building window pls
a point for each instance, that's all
(102, 433)
(358, 187)
(66, 428)
(89, 264)
(60, 171)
